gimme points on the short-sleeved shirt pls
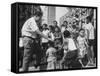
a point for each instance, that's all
(29, 28)
(90, 28)
(45, 32)
(81, 42)
(70, 44)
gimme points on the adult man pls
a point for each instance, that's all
(31, 37)
(89, 31)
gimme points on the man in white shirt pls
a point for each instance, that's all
(89, 31)
(31, 33)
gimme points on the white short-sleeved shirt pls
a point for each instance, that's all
(46, 33)
(51, 36)
(90, 28)
(29, 28)
(70, 44)
(63, 29)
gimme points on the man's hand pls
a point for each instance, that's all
(50, 39)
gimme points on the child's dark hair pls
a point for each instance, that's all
(66, 33)
(65, 22)
(81, 30)
(50, 43)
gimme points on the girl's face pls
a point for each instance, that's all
(82, 33)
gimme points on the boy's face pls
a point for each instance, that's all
(82, 33)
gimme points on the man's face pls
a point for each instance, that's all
(37, 18)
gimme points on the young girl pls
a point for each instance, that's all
(70, 52)
(82, 45)
(51, 57)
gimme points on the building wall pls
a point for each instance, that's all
(60, 11)
(51, 14)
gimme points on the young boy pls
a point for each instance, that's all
(70, 52)
(51, 57)
(82, 45)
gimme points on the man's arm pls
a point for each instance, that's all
(35, 28)
(42, 35)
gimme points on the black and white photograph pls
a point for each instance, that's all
(54, 37)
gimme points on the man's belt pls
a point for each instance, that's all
(35, 39)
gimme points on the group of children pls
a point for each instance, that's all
(68, 48)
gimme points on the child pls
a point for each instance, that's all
(51, 57)
(64, 26)
(82, 44)
(70, 52)
(45, 41)
(51, 33)
(74, 32)
(57, 37)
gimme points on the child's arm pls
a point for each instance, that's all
(47, 53)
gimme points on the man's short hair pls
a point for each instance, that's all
(38, 13)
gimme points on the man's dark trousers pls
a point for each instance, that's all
(31, 47)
